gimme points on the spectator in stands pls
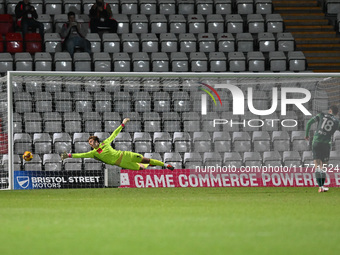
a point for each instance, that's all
(101, 16)
(26, 16)
(73, 35)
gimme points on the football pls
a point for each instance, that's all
(27, 156)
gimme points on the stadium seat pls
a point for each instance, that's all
(280, 141)
(291, 158)
(206, 42)
(22, 102)
(53, 7)
(174, 159)
(82, 62)
(34, 165)
(274, 23)
(131, 85)
(130, 42)
(111, 43)
(140, 62)
(42, 143)
(23, 61)
(179, 62)
(142, 101)
(196, 24)
(51, 162)
(221, 141)
(2, 11)
(223, 6)
(272, 158)
(161, 101)
(171, 122)
(43, 102)
(234, 23)
(129, 7)
(168, 42)
(62, 142)
(73, 164)
(142, 141)
(307, 157)
(252, 158)
(167, 7)
(202, 142)
(241, 141)
(6, 24)
(123, 23)
(46, 19)
(217, 62)
(244, 7)
(52, 122)
(17, 122)
(191, 160)
(148, 6)
(42, 61)
(83, 101)
(149, 43)
(152, 122)
(72, 5)
(22, 143)
(256, 61)
(215, 23)
(158, 23)
(285, 42)
(266, 42)
(298, 141)
(182, 142)
(6, 62)
(181, 101)
(121, 62)
(111, 121)
(198, 62)
(59, 21)
(277, 61)
(212, 159)
(135, 125)
(139, 24)
(159, 62)
(102, 62)
(92, 122)
(255, 23)
(80, 141)
(232, 159)
(187, 42)
(95, 41)
(296, 61)
(14, 42)
(177, 24)
(261, 141)
(245, 42)
(263, 6)
(52, 42)
(33, 122)
(122, 102)
(236, 62)
(11, 6)
(208, 122)
(162, 142)
(123, 142)
(191, 122)
(204, 7)
(103, 102)
(62, 61)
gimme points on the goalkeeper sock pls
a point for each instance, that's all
(318, 178)
(155, 162)
(323, 178)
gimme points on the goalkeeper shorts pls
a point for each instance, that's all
(131, 160)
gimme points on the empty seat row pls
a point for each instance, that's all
(157, 62)
(168, 7)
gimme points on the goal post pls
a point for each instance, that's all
(174, 117)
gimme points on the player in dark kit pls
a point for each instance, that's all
(321, 144)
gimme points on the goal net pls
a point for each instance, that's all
(185, 119)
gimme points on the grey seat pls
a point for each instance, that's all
(130, 42)
(198, 62)
(221, 141)
(272, 158)
(162, 142)
(46, 19)
(181, 101)
(142, 141)
(121, 62)
(152, 122)
(33, 122)
(83, 101)
(232, 119)
(52, 42)
(281, 141)
(245, 42)
(80, 141)
(73, 164)
(154, 155)
(91, 164)
(217, 62)
(296, 61)
(34, 165)
(159, 62)
(43, 101)
(42, 143)
(298, 141)
(22, 143)
(191, 122)
(174, 159)
(111, 43)
(92, 122)
(285, 42)
(129, 7)
(191, 160)
(62, 142)
(179, 62)
(244, 6)
(274, 23)
(6, 62)
(52, 122)
(196, 23)
(291, 158)
(22, 102)
(182, 142)
(72, 122)
(171, 122)
(142, 101)
(215, 23)
(261, 141)
(252, 158)
(135, 123)
(266, 42)
(177, 24)
(263, 6)
(255, 23)
(277, 61)
(256, 61)
(161, 101)
(140, 62)
(202, 142)
(186, 6)
(187, 42)
(123, 142)
(223, 6)
(63, 61)
(234, 23)
(307, 157)
(232, 159)
(42, 61)
(208, 122)
(52, 162)
(95, 42)
(102, 62)
(206, 42)
(168, 42)
(82, 62)
(139, 24)
(123, 23)
(158, 23)
(236, 62)
(149, 42)
(103, 102)
(241, 141)
(212, 159)
(167, 6)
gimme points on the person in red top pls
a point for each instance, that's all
(26, 16)
(101, 16)
(103, 151)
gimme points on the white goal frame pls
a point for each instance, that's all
(11, 74)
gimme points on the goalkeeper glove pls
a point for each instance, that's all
(64, 155)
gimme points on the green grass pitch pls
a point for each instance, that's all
(170, 221)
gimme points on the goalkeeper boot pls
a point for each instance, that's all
(170, 167)
(325, 189)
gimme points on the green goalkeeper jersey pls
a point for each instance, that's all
(327, 125)
(104, 152)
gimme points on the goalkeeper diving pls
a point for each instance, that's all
(124, 159)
